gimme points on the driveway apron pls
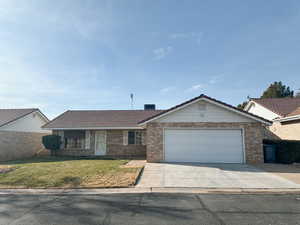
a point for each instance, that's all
(210, 176)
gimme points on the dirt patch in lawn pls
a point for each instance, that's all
(113, 180)
(287, 171)
(5, 169)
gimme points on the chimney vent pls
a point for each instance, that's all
(149, 107)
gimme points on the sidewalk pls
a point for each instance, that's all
(97, 191)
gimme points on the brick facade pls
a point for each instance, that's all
(115, 146)
(153, 138)
(19, 145)
(253, 136)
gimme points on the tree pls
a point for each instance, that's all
(52, 143)
(242, 105)
(277, 90)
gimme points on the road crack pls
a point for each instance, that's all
(214, 214)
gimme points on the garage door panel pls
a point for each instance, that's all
(203, 145)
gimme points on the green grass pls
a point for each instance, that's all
(57, 172)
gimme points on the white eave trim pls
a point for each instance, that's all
(95, 128)
(246, 108)
(212, 102)
(42, 115)
(254, 102)
(290, 118)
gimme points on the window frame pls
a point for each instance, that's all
(74, 141)
(137, 137)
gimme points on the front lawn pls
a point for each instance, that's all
(55, 172)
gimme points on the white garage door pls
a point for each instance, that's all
(205, 145)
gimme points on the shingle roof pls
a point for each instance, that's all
(296, 112)
(208, 98)
(73, 119)
(9, 115)
(280, 106)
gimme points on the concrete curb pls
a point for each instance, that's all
(145, 190)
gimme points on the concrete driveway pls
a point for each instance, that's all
(210, 176)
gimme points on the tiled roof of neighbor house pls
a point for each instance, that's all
(208, 98)
(10, 115)
(280, 106)
(296, 112)
(73, 119)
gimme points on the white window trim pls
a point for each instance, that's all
(87, 139)
(125, 137)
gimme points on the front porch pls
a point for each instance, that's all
(111, 143)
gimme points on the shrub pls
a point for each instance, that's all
(51, 142)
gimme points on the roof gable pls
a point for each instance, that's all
(9, 115)
(204, 111)
(209, 100)
(280, 106)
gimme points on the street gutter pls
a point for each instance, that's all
(98, 191)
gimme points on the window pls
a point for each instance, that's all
(74, 143)
(74, 139)
(134, 137)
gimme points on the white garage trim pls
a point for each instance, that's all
(207, 128)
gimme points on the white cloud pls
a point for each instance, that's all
(167, 89)
(161, 53)
(195, 87)
(197, 36)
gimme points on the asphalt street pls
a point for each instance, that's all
(150, 208)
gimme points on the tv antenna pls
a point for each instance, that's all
(131, 100)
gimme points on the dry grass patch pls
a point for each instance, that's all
(56, 172)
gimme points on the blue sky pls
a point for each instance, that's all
(82, 54)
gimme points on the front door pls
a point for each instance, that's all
(100, 143)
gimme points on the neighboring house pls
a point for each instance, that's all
(200, 130)
(21, 132)
(284, 112)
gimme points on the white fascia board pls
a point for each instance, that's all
(238, 112)
(95, 128)
(42, 115)
(246, 108)
(266, 108)
(290, 118)
(212, 102)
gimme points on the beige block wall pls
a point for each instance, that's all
(253, 136)
(19, 145)
(288, 130)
